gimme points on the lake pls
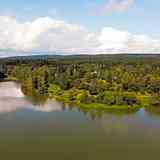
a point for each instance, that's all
(53, 131)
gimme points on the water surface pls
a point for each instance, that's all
(54, 131)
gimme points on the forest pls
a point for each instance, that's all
(118, 82)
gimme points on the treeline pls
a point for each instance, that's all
(120, 81)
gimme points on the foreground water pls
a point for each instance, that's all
(52, 131)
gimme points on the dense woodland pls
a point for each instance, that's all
(103, 81)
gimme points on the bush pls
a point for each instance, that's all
(115, 98)
(129, 98)
(54, 90)
(109, 98)
(155, 100)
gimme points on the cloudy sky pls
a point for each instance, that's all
(79, 27)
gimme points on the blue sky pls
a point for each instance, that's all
(141, 17)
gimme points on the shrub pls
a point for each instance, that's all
(155, 100)
(54, 90)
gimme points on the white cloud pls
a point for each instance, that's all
(116, 6)
(116, 41)
(113, 39)
(44, 34)
(49, 35)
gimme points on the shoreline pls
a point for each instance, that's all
(100, 106)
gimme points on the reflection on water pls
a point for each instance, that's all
(10, 89)
(12, 104)
(46, 129)
(12, 98)
(153, 111)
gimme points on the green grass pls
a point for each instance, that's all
(110, 107)
(144, 101)
(99, 106)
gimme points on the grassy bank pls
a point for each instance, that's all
(98, 106)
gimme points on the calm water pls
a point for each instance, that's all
(52, 131)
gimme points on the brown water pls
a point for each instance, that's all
(52, 131)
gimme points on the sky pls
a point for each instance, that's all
(79, 27)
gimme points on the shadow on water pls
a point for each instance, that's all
(96, 114)
(153, 111)
(36, 99)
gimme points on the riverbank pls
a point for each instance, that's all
(109, 100)
(76, 101)
(99, 106)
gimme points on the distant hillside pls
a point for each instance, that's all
(56, 56)
(106, 58)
